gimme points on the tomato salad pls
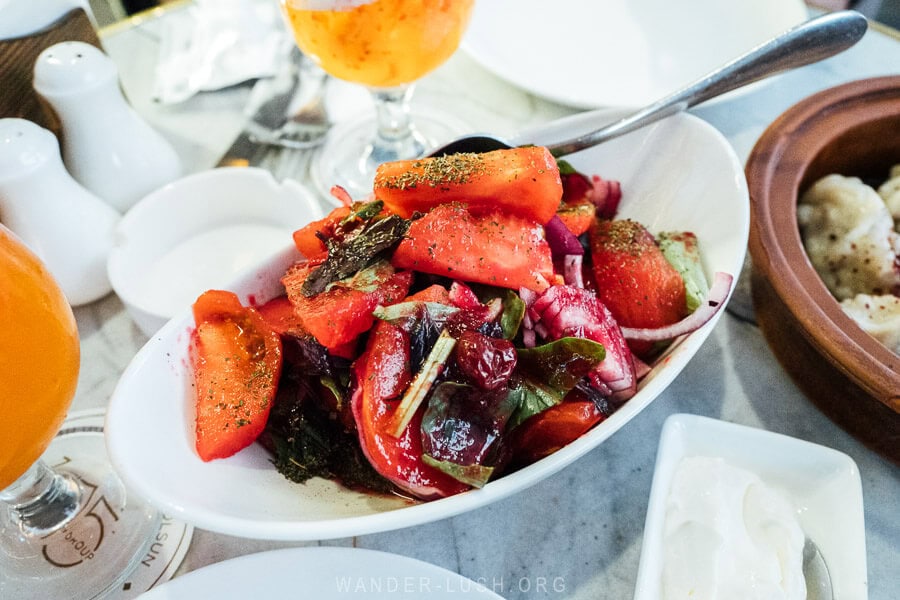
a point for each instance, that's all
(476, 313)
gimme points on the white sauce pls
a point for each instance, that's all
(207, 261)
(729, 536)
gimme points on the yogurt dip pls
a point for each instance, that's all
(729, 536)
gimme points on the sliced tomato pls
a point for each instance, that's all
(491, 248)
(388, 372)
(551, 429)
(433, 293)
(633, 278)
(577, 216)
(279, 314)
(520, 181)
(236, 358)
(337, 316)
(397, 458)
(305, 238)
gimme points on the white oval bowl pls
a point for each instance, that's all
(200, 232)
(678, 174)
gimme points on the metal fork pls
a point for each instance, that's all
(285, 120)
(295, 116)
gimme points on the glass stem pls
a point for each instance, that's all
(395, 137)
(42, 501)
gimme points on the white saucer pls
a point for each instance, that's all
(618, 53)
(323, 573)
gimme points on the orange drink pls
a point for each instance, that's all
(39, 358)
(379, 43)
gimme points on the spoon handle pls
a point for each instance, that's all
(809, 42)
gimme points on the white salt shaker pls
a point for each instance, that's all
(67, 226)
(107, 146)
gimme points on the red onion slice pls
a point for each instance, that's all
(640, 368)
(342, 195)
(560, 239)
(718, 293)
(572, 270)
(563, 311)
(606, 196)
(529, 340)
(462, 296)
(527, 296)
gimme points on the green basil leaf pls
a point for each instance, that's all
(474, 475)
(363, 212)
(347, 256)
(367, 279)
(402, 313)
(513, 307)
(530, 398)
(461, 429)
(565, 167)
(550, 372)
(563, 362)
(513, 314)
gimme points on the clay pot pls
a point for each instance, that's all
(853, 130)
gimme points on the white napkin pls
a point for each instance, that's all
(214, 44)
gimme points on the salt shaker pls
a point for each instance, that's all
(106, 145)
(67, 226)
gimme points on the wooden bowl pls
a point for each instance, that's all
(853, 130)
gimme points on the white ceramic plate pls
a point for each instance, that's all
(618, 53)
(322, 573)
(822, 483)
(678, 174)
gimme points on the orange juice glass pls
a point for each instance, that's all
(385, 45)
(39, 358)
(66, 529)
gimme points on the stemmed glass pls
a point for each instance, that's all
(66, 530)
(385, 45)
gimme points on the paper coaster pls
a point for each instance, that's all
(172, 539)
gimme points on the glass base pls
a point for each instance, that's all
(348, 158)
(93, 553)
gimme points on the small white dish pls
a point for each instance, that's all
(198, 233)
(679, 174)
(823, 484)
(618, 53)
(323, 573)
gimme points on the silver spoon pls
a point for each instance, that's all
(809, 42)
(815, 571)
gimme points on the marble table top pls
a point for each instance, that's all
(576, 535)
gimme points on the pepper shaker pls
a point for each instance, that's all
(67, 226)
(106, 145)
